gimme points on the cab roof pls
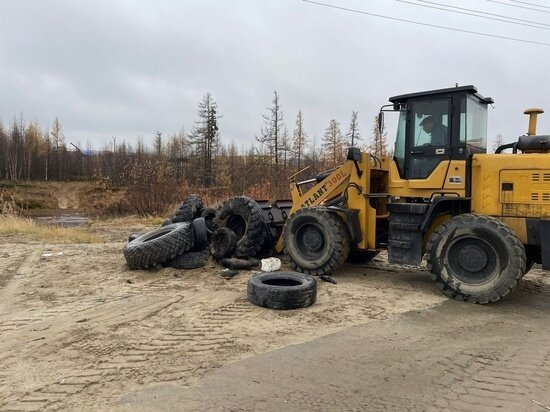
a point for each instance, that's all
(403, 98)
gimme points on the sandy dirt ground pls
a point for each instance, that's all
(79, 331)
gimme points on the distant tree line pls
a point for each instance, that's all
(199, 158)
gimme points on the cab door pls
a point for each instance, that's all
(426, 147)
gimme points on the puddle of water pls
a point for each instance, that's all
(64, 221)
(62, 218)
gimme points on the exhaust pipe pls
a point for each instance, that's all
(533, 113)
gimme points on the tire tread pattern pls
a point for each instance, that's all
(145, 254)
(340, 246)
(516, 264)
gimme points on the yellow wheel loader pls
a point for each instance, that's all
(480, 219)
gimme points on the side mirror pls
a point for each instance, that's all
(380, 122)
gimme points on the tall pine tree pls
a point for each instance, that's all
(205, 136)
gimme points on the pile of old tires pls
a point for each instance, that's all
(235, 234)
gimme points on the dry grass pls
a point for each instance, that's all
(129, 221)
(15, 225)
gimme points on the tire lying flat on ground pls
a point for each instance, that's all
(475, 258)
(282, 290)
(190, 209)
(191, 260)
(245, 218)
(159, 246)
(316, 241)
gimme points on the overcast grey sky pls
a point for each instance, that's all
(129, 68)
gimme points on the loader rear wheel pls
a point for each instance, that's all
(316, 241)
(475, 258)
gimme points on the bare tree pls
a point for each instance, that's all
(299, 140)
(271, 132)
(58, 143)
(354, 133)
(378, 146)
(499, 141)
(333, 143)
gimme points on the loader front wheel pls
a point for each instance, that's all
(316, 241)
(475, 258)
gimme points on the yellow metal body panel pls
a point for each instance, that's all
(448, 176)
(512, 187)
(344, 178)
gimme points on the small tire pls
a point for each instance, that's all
(282, 290)
(223, 243)
(316, 241)
(201, 234)
(245, 218)
(475, 258)
(190, 209)
(191, 260)
(159, 246)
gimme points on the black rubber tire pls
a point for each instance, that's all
(316, 241)
(361, 256)
(282, 290)
(201, 234)
(191, 260)
(235, 263)
(190, 209)
(475, 258)
(209, 214)
(245, 218)
(159, 246)
(223, 243)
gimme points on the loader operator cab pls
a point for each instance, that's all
(436, 126)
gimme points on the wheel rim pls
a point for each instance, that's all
(473, 260)
(310, 240)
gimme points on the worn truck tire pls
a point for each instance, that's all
(244, 217)
(223, 243)
(191, 260)
(316, 241)
(282, 290)
(201, 234)
(159, 246)
(190, 209)
(209, 214)
(475, 258)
